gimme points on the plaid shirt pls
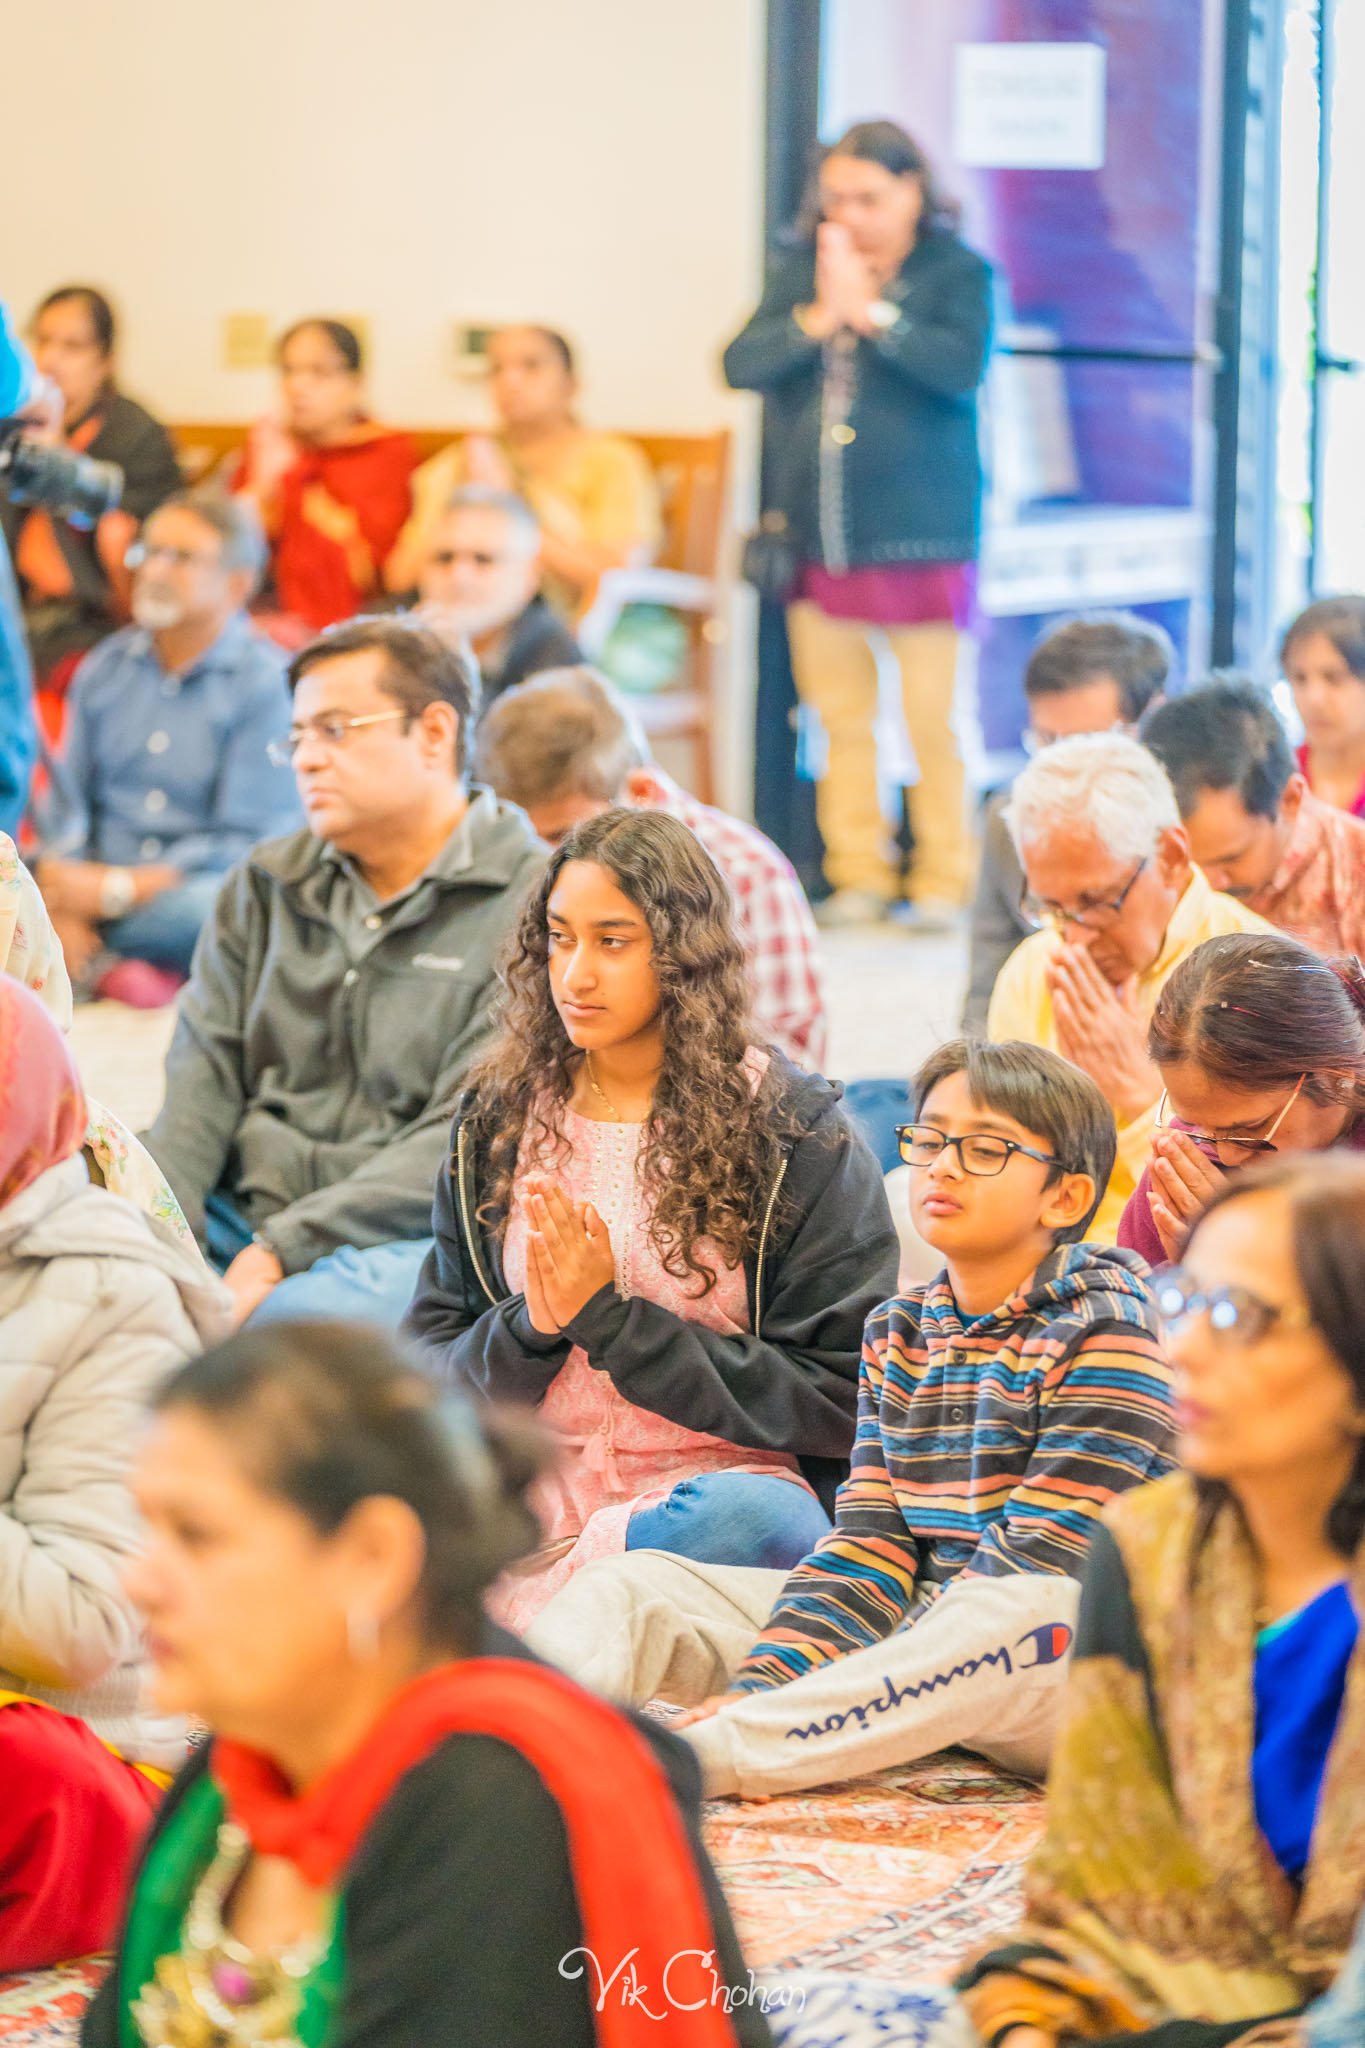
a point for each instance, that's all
(1317, 893)
(772, 918)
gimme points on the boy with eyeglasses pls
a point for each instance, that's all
(999, 1409)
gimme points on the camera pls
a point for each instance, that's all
(75, 486)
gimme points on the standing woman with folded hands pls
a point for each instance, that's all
(653, 1226)
(869, 349)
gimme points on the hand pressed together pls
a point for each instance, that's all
(568, 1255)
(1184, 1182)
(1101, 1030)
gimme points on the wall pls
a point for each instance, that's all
(421, 162)
(596, 164)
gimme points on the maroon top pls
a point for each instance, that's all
(894, 593)
(1138, 1232)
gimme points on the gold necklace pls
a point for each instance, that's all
(600, 1093)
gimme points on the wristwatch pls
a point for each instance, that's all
(118, 893)
(883, 313)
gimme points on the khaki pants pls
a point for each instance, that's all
(836, 673)
(981, 1667)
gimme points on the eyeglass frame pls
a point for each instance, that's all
(1200, 1302)
(139, 552)
(975, 1172)
(282, 752)
(1256, 1147)
(1054, 916)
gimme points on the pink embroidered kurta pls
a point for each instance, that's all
(616, 1457)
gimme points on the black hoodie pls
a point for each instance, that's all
(826, 1257)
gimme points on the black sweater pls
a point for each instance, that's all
(460, 1904)
(896, 475)
(828, 1259)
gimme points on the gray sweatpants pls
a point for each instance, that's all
(981, 1667)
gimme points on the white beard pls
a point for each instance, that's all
(157, 610)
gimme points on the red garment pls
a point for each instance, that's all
(1357, 808)
(340, 511)
(638, 1888)
(72, 1818)
(42, 1109)
(894, 593)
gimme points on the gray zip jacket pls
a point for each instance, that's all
(317, 1056)
(98, 1303)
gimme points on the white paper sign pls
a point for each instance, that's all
(1029, 106)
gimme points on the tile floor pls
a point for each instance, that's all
(892, 997)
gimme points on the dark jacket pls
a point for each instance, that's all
(461, 1901)
(882, 466)
(314, 1064)
(536, 640)
(998, 923)
(828, 1255)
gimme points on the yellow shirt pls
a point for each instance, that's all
(598, 489)
(1021, 1007)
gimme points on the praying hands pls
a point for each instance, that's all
(1101, 1030)
(568, 1255)
(1184, 1182)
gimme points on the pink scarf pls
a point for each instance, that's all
(42, 1109)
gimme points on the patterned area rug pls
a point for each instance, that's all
(890, 1880)
(44, 2009)
(896, 1876)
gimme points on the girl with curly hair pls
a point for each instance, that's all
(663, 1233)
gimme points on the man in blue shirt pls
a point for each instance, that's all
(165, 781)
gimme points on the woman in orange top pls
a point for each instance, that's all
(331, 485)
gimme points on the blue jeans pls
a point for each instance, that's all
(373, 1286)
(733, 1518)
(876, 1107)
(164, 930)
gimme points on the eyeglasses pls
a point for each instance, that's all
(1092, 917)
(977, 1153)
(446, 558)
(1230, 1151)
(330, 730)
(144, 551)
(1237, 1317)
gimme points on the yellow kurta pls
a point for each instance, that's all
(1021, 1007)
(600, 491)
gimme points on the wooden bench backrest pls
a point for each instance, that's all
(691, 468)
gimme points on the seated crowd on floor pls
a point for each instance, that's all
(504, 1327)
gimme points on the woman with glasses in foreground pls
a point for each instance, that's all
(1206, 1810)
(1261, 1048)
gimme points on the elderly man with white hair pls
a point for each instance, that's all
(1117, 904)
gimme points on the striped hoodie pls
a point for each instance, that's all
(986, 1446)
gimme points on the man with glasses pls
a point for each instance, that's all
(1098, 673)
(343, 985)
(1116, 904)
(164, 779)
(481, 580)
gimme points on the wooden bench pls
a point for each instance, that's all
(693, 474)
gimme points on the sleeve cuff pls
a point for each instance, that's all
(598, 1323)
(527, 1335)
